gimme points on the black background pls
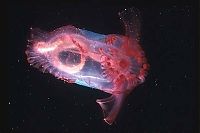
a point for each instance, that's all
(165, 103)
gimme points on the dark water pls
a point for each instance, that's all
(165, 103)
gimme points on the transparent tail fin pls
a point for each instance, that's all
(111, 106)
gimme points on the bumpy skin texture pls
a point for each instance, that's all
(113, 63)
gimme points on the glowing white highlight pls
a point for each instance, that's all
(44, 50)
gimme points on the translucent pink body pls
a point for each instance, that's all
(112, 63)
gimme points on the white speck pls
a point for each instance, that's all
(18, 60)
(160, 13)
(125, 9)
(9, 103)
(185, 76)
(48, 98)
(156, 82)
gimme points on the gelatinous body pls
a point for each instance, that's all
(113, 63)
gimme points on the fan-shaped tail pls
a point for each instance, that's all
(111, 106)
